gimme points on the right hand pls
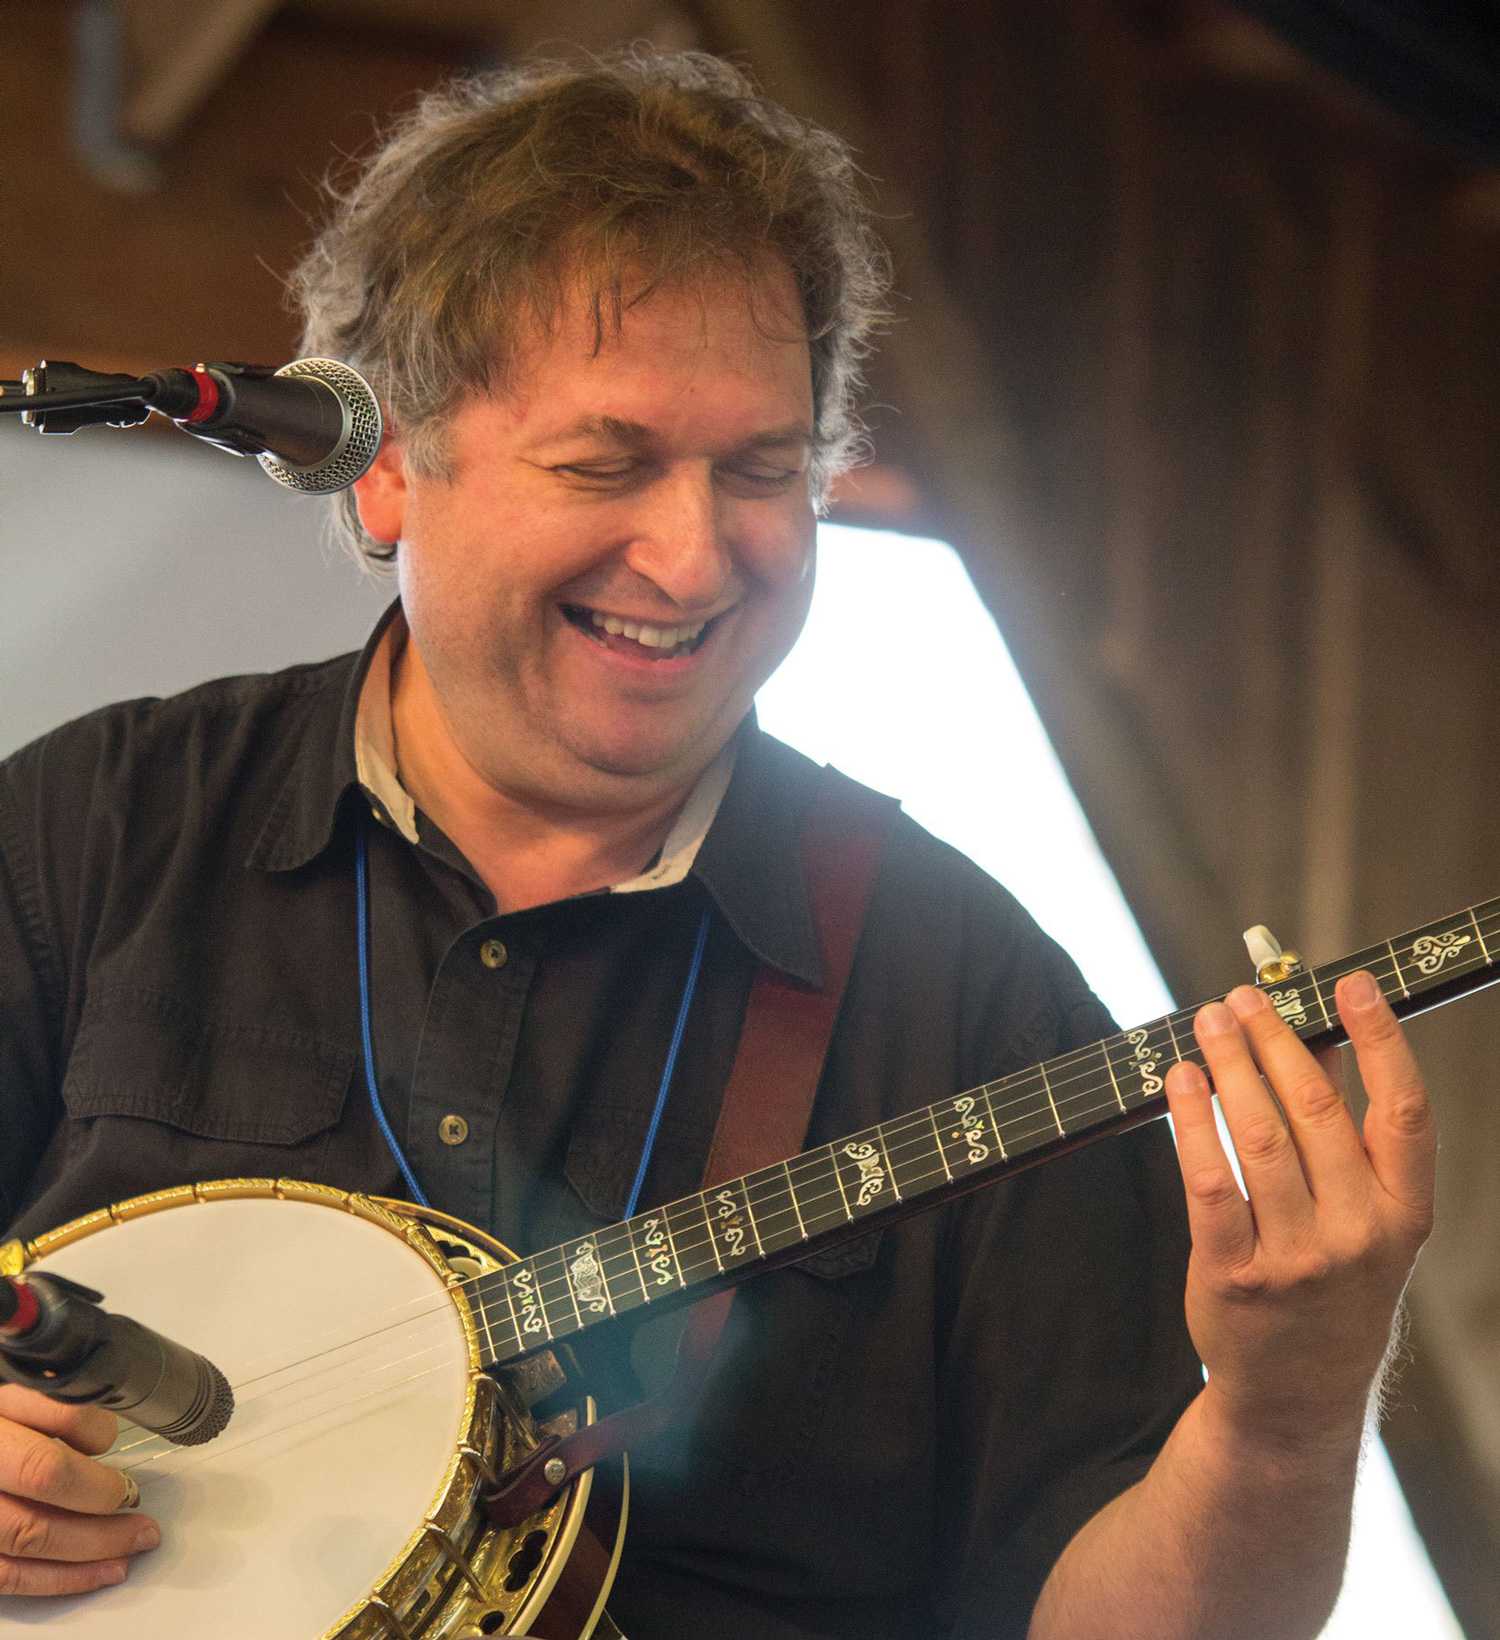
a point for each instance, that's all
(61, 1526)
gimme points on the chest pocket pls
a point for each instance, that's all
(154, 1097)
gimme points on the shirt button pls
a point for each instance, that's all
(453, 1130)
(493, 954)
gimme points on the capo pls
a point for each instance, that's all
(1272, 964)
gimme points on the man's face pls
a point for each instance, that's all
(623, 551)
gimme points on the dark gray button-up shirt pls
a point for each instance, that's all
(899, 1435)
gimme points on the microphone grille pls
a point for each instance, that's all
(359, 443)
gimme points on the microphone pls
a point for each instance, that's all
(314, 425)
(55, 1339)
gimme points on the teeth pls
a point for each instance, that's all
(653, 637)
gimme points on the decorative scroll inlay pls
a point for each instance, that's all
(1288, 1003)
(871, 1171)
(658, 1254)
(731, 1225)
(1146, 1060)
(1433, 950)
(970, 1128)
(527, 1305)
(588, 1278)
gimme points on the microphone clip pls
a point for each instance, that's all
(63, 376)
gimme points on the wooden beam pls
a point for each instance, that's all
(180, 51)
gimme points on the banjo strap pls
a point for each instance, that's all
(763, 1117)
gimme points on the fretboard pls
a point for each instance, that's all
(925, 1157)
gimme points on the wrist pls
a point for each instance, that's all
(1279, 1434)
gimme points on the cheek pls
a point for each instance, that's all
(780, 556)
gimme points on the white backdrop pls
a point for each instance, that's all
(138, 562)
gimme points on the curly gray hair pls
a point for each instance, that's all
(494, 196)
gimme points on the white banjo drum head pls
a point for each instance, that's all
(349, 1365)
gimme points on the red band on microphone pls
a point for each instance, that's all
(27, 1311)
(208, 397)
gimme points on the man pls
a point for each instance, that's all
(615, 315)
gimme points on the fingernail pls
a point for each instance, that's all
(1190, 1078)
(1246, 1001)
(1214, 1019)
(112, 1573)
(1361, 990)
(132, 1494)
(148, 1537)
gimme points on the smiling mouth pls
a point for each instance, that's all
(642, 638)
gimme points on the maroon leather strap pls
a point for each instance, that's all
(763, 1116)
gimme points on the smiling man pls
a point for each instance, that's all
(618, 556)
(476, 913)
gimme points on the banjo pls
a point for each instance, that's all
(413, 1354)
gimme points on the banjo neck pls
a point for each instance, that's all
(917, 1161)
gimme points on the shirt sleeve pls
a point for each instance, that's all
(1067, 1360)
(31, 990)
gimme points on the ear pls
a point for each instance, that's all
(380, 495)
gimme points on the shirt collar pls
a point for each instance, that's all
(305, 811)
(752, 800)
(751, 860)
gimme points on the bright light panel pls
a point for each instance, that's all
(903, 681)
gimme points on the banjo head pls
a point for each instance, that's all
(344, 1487)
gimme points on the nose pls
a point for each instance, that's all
(680, 540)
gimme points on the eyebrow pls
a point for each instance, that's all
(636, 435)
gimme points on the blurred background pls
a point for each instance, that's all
(1196, 366)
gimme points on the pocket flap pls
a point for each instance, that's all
(141, 1054)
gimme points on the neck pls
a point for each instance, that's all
(527, 848)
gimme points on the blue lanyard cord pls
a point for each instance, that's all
(671, 1064)
(362, 896)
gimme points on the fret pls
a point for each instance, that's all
(895, 1186)
(1397, 963)
(791, 1191)
(484, 1320)
(1479, 932)
(1047, 1089)
(843, 1194)
(660, 1255)
(1031, 1119)
(1176, 1045)
(750, 1214)
(586, 1279)
(620, 1267)
(914, 1150)
(989, 1105)
(693, 1264)
(1109, 1066)
(713, 1245)
(818, 1194)
(1328, 1020)
(726, 1221)
(938, 1139)
(557, 1324)
(778, 1223)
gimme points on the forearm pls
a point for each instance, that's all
(1220, 1539)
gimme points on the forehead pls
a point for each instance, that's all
(723, 343)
